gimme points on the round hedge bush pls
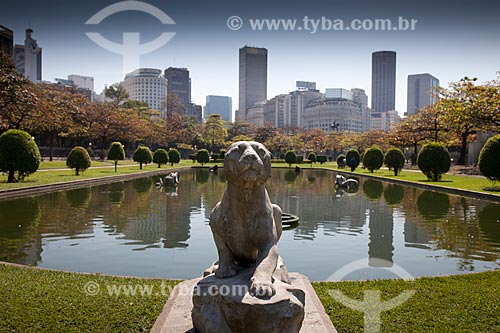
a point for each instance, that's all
(290, 157)
(352, 158)
(18, 152)
(395, 159)
(312, 157)
(373, 158)
(78, 159)
(142, 155)
(434, 160)
(340, 161)
(160, 157)
(116, 153)
(202, 156)
(174, 156)
(489, 159)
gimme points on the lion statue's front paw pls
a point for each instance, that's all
(225, 271)
(261, 288)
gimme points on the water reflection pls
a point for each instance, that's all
(433, 205)
(136, 228)
(373, 189)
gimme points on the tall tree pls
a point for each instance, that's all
(214, 131)
(459, 108)
(17, 100)
(117, 93)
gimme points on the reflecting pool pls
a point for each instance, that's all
(136, 228)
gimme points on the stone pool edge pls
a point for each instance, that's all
(61, 186)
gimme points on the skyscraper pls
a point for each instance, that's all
(221, 105)
(383, 81)
(422, 89)
(28, 58)
(179, 83)
(253, 78)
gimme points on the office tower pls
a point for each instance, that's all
(422, 92)
(221, 105)
(28, 58)
(252, 78)
(383, 81)
(359, 97)
(6, 41)
(147, 85)
(179, 83)
(194, 110)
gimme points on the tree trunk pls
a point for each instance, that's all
(11, 178)
(77, 172)
(51, 147)
(116, 165)
(463, 150)
(140, 165)
(159, 165)
(395, 171)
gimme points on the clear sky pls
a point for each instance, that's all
(452, 39)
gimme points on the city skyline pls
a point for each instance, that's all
(209, 49)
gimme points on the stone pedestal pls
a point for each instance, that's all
(225, 306)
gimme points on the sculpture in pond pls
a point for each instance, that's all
(246, 228)
(351, 185)
(172, 179)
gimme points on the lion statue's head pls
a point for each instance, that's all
(247, 162)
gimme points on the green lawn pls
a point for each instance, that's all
(59, 164)
(38, 300)
(460, 303)
(68, 175)
(49, 301)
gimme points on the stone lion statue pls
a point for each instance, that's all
(246, 226)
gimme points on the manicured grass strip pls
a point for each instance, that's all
(460, 303)
(36, 300)
(57, 176)
(62, 164)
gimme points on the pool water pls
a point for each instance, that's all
(135, 228)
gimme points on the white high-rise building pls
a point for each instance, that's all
(147, 85)
(28, 58)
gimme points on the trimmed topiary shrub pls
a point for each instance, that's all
(142, 155)
(174, 156)
(341, 161)
(192, 157)
(321, 159)
(312, 157)
(434, 160)
(489, 159)
(78, 159)
(203, 156)
(352, 159)
(18, 153)
(160, 157)
(395, 159)
(116, 153)
(373, 158)
(290, 157)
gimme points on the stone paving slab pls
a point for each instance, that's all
(176, 314)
